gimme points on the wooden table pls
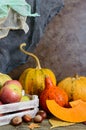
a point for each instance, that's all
(44, 126)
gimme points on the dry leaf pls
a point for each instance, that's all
(33, 125)
(57, 123)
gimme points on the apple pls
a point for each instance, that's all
(16, 82)
(11, 92)
(1, 103)
(25, 98)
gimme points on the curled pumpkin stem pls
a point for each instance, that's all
(30, 54)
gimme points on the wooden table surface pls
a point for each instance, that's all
(44, 126)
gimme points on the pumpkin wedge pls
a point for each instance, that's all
(75, 102)
(74, 114)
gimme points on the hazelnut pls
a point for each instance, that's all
(42, 113)
(27, 118)
(16, 121)
(38, 119)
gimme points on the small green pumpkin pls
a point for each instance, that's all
(33, 79)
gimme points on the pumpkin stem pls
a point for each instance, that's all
(76, 76)
(30, 54)
(48, 82)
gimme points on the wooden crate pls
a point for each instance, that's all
(18, 109)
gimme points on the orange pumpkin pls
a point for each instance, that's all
(52, 92)
(75, 87)
(32, 79)
(74, 114)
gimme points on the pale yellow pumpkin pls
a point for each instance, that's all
(75, 87)
(33, 79)
(3, 79)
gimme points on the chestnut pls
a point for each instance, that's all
(27, 118)
(16, 120)
(38, 119)
(42, 113)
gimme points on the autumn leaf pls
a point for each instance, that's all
(57, 123)
(33, 125)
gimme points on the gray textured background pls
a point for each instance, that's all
(10, 55)
(63, 45)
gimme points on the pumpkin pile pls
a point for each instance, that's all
(65, 100)
(75, 87)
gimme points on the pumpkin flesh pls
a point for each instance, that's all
(74, 114)
(75, 102)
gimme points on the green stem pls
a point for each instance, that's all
(30, 54)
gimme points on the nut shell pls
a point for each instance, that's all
(16, 121)
(42, 113)
(38, 119)
(27, 118)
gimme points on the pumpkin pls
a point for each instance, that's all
(75, 87)
(75, 102)
(32, 79)
(3, 79)
(74, 114)
(52, 92)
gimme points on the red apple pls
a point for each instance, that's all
(16, 82)
(11, 92)
(1, 103)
